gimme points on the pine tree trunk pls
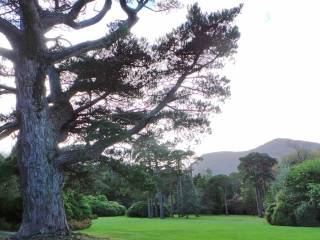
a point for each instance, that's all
(161, 206)
(41, 182)
(149, 209)
(225, 201)
(172, 205)
(259, 202)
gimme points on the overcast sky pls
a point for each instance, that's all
(274, 79)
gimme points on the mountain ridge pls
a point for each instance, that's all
(226, 162)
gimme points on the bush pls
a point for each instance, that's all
(121, 210)
(269, 213)
(283, 215)
(298, 200)
(76, 206)
(101, 207)
(281, 212)
(306, 215)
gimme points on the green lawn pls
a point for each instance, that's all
(202, 228)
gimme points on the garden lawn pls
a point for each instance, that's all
(202, 228)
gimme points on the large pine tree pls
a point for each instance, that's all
(102, 92)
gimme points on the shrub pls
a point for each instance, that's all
(77, 207)
(101, 207)
(283, 215)
(269, 213)
(306, 215)
(121, 210)
(298, 200)
(282, 211)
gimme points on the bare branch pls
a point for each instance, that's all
(84, 47)
(88, 22)
(132, 12)
(51, 19)
(12, 33)
(7, 88)
(9, 54)
(7, 129)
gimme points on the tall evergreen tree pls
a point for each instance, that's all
(103, 91)
(256, 168)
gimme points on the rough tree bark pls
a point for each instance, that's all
(43, 208)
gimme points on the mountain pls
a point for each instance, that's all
(227, 162)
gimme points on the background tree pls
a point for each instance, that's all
(102, 92)
(216, 193)
(256, 168)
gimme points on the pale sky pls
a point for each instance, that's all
(275, 80)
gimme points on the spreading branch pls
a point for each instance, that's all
(6, 53)
(12, 33)
(70, 19)
(8, 128)
(7, 88)
(84, 47)
(51, 19)
(104, 42)
(94, 151)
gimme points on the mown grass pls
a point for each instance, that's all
(202, 228)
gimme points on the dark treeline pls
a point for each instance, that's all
(153, 180)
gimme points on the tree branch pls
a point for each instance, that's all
(94, 151)
(9, 54)
(7, 88)
(84, 47)
(103, 42)
(7, 129)
(132, 12)
(12, 33)
(51, 19)
(88, 22)
(90, 104)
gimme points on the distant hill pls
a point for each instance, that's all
(227, 162)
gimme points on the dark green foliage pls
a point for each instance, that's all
(297, 203)
(256, 170)
(10, 199)
(269, 212)
(281, 213)
(213, 198)
(140, 209)
(236, 206)
(120, 209)
(101, 207)
(77, 207)
(307, 216)
(187, 198)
